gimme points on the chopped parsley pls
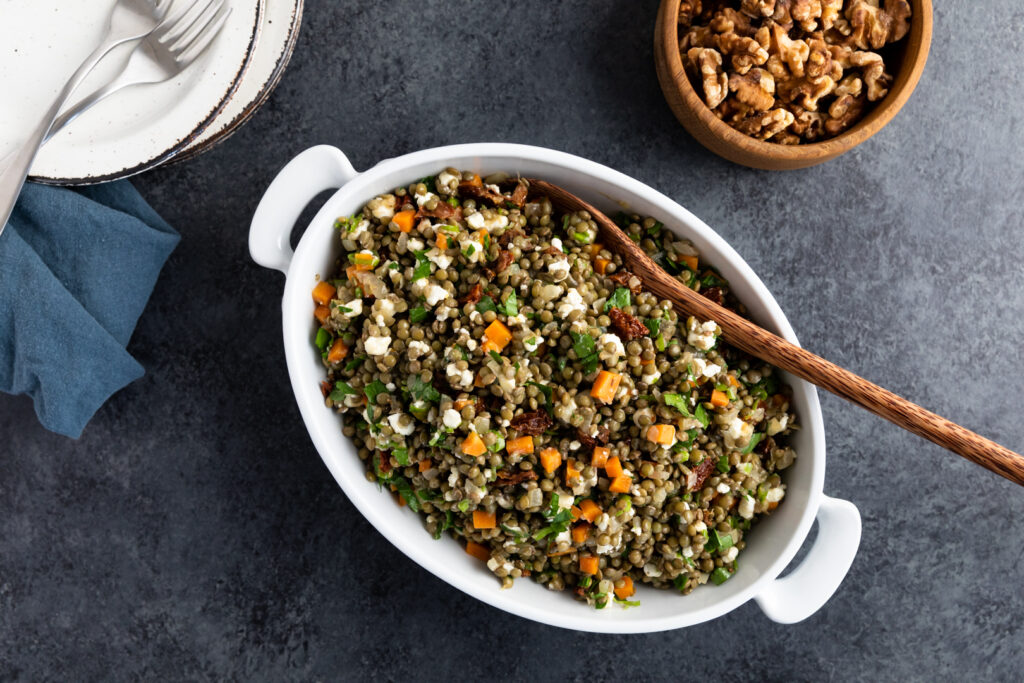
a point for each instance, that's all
(354, 363)
(422, 391)
(341, 390)
(754, 440)
(372, 390)
(557, 518)
(723, 464)
(547, 391)
(653, 326)
(701, 415)
(677, 401)
(485, 304)
(422, 269)
(586, 351)
(619, 299)
(512, 305)
(417, 314)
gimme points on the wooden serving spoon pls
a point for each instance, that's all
(773, 349)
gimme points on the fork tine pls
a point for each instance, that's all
(205, 39)
(173, 27)
(195, 28)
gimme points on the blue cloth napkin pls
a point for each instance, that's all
(76, 269)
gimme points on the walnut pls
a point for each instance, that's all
(698, 36)
(874, 26)
(708, 63)
(806, 13)
(807, 91)
(850, 85)
(786, 138)
(765, 125)
(755, 89)
(793, 52)
(843, 113)
(819, 59)
(688, 9)
(810, 125)
(757, 9)
(830, 12)
(728, 20)
(875, 77)
(745, 52)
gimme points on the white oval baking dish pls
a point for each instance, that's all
(770, 545)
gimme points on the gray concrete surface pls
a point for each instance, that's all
(194, 533)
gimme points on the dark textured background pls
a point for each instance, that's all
(193, 531)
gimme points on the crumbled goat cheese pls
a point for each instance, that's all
(415, 244)
(377, 346)
(422, 199)
(452, 419)
(619, 350)
(559, 269)
(459, 378)
(382, 208)
(774, 495)
(417, 349)
(397, 426)
(435, 294)
(572, 301)
(355, 307)
(439, 258)
(702, 335)
(746, 507)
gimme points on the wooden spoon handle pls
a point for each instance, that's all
(773, 349)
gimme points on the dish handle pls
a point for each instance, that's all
(807, 588)
(311, 172)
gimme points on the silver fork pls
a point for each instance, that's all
(171, 48)
(130, 20)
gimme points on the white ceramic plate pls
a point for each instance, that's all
(279, 29)
(43, 41)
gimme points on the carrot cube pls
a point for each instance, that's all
(595, 249)
(323, 292)
(338, 351)
(484, 520)
(570, 471)
(613, 467)
(404, 219)
(580, 533)
(589, 565)
(626, 589)
(601, 265)
(600, 456)
(425, 464)
(478, 551)
(590, 510)
(322, 313)
(605, 386)
(523, 444)
(690, 261)
(719, 399)
(550, 459)
(621, 484)
(474, 445)
(662, 434)
(497, 333)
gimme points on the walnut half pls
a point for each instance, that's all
(708, 63)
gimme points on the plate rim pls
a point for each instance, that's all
(261, 98)
(183, 142)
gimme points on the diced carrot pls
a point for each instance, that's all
(662, 434)
(477, 382)
(338, 351)
(646, 362)
(595, 249)
(474, 445)
(626, 590)
(570, 471)
(562, 553)
(363, 260)
(462, 403)
(404, 219)
(620, 484)
(353, 273)
(590, 510)
(478, 551)
(442, 241)
(498, 333)
(600, 456)
(589, 564)
(487, 346)
(323, 292)
(401, 501)
(550, 459)
(484, 520)
(575, 512)
(580, 533)
(733, 381)
(613, 467)
(605, 386)
(523, 444)
(719, 399)
(601, 265)
(480, 235)
(474, 179)
(690, 261)
(426, 464)
(321, 313)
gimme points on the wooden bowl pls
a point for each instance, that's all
(911, 53)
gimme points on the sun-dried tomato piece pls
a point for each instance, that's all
(624, 278)
(519, 194)
(443, 211)
(700, 473)
(507, 236)
(504, 261)
(507, 478)
(475, 293)
(533, 423)
(601, 436)
(482, 192)
(714, 294)
(325, 388)
(626, 326)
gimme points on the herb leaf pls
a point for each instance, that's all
(354, 363)
(586, 351)
(372, 390)
(417, 314)
(423, 391)
(620, 299)
(341, 390)
(485, 304)
(701, 415)
(547, 391)
(512, 305)
(677, 401)
(754, 440)
(422, 269)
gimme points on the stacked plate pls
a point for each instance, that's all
(43, 41)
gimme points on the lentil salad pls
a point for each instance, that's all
(510, 381)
